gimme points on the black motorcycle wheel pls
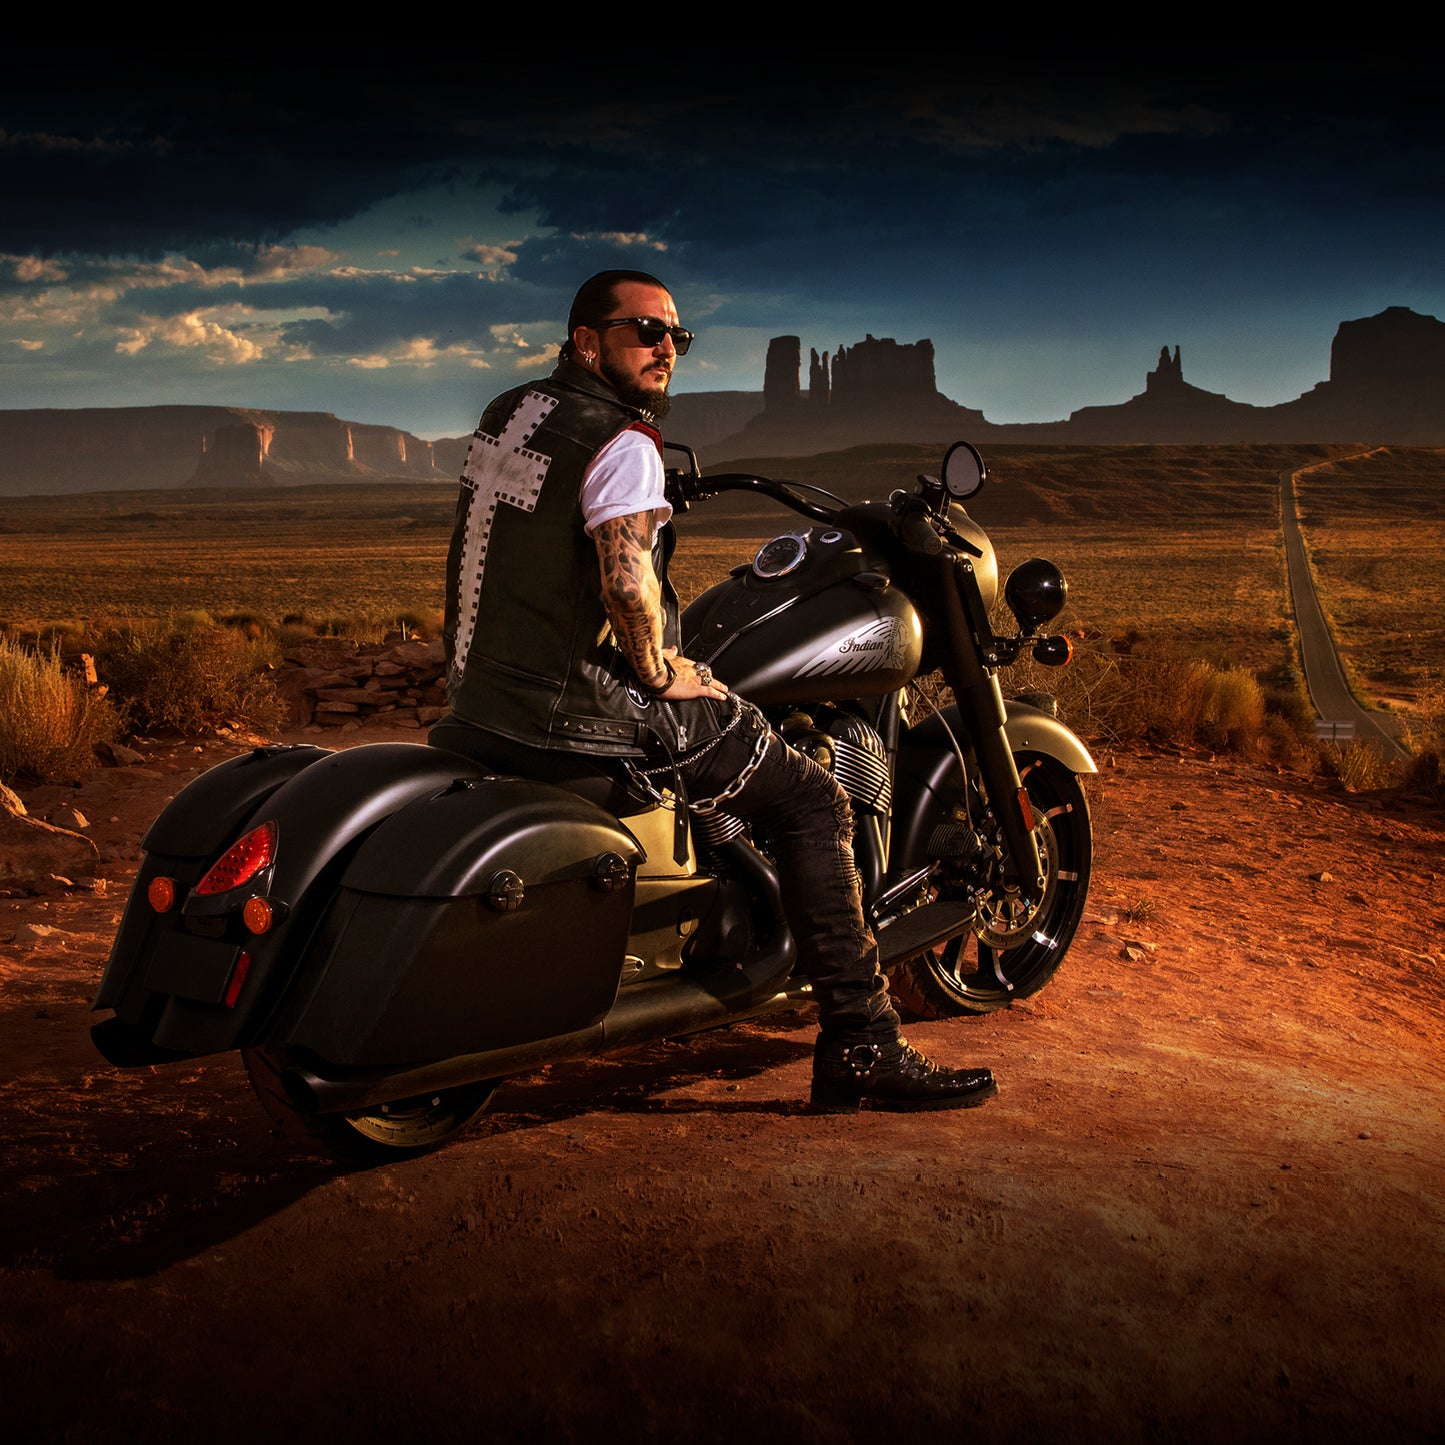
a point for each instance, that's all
(397, 1130)
(1012, 951)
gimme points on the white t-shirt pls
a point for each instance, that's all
(625, 477)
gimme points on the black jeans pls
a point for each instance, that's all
(798, 810)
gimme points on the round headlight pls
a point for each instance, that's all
(1035, 592)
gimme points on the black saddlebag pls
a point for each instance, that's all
(490, 915)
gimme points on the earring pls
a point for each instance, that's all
(589, 357)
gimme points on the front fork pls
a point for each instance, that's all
(980, 704)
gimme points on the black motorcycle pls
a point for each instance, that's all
(386, 932)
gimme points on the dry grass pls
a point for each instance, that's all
(50, 720)
(1173, 555)
(361, 552)
(188, 674)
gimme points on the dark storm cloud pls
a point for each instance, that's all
(229, 218)
(145, 164)
(836, 188)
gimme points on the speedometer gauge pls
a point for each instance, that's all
(780, 556)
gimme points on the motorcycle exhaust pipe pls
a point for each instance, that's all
(348, 1091)
(659, 1009)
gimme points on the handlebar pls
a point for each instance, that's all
(918, 524)
(692, 488)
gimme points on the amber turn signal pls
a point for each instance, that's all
(161, 894)
(258, 915)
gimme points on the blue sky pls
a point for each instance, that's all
(396, 239)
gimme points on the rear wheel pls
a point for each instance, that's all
(396, 1130)
(1014, 947)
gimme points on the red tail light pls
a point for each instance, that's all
(242, 861)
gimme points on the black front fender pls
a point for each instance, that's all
(929, 783)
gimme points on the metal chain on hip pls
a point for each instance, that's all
(642, 777)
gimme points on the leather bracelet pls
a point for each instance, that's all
(658, 691)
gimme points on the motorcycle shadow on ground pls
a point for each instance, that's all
(121, 1177)
(647, 1080)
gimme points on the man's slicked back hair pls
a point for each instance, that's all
(596, 297)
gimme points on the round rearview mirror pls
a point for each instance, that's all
(963, 471)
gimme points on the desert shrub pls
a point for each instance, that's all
(249, 624)
(423, 622)
(1360, 766)
(1233, 711)
(191, 677)
(1144, 691)
(1155, 695)
(365, 626)
(50, 720)
(1425, 772)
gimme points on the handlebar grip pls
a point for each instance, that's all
(916, 531)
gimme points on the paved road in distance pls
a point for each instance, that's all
(1340, 714)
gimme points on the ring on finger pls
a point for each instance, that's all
(704, 674)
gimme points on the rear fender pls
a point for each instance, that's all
(190, 832)
(206, 815)
(197, 981)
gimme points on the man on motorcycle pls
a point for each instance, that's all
(562, 637)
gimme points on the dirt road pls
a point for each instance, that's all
(1208, 1203)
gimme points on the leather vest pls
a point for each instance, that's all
(530, 650)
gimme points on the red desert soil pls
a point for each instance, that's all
(1208, 1203)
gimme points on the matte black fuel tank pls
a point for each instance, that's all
(809, 620)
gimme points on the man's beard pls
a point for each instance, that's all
(652, 399)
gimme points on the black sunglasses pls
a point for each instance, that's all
(650, 331)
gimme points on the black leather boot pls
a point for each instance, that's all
(890, 1075)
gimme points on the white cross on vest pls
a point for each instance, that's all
(499, 469)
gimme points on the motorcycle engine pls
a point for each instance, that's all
(850, 749)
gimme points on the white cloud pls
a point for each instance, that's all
(196, 331)
(494, 260)
(524, 334)
(363, 273)
(421, 352)
(623, 238)
(224, 335)
(274, 263)
(37, 268)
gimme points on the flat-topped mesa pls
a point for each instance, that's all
(872, 373)
(95, 449)
(874, 391)
(1393, 345)
(882, 372)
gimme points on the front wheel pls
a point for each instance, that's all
(1013, 948)
(397, 1130)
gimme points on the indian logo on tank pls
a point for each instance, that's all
(878, 647)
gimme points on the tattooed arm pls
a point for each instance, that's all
(633, 599)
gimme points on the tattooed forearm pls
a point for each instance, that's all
(631, 594)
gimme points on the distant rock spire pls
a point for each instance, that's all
(818, 379)
(780, 378)
(1167, 376)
